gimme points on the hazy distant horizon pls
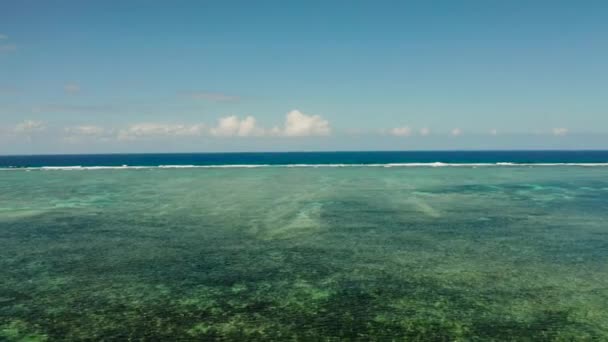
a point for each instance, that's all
(309, 151)
(323, 144)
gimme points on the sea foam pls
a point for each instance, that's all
(247, 166)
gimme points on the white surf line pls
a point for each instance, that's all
(245, 166)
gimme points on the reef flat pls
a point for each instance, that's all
(426, 253)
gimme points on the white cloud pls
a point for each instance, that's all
(456, 132)
(560, 131)
(76, 134)
(213, 96)
(233, 126)
(86, 130)
(30, 126)
(425, 131)
(494, 132)
(3, 36)
(150, 129)
(72, 88)
(403, 131)
(298, 124)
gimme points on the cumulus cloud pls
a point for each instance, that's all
(151, 129)
(403, 131)
(76, 134)
(233, 126)
(86, 130)
(72, 88)
(424, 131)
(30, 126)
(213, 96)
(298, 124)
(560, 131)
(456, 132)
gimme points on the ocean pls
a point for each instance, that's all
(386, 158)
(441, 246)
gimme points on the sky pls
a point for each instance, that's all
(212, 76)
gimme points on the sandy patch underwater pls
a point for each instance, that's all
(274, 253)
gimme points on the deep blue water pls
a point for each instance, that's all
(460, 157)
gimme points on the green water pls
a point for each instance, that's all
(489, 253)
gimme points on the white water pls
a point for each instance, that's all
(386, 165)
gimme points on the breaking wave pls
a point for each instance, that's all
(246, 166)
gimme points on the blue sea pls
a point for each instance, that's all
(386, 158)
(427, 246)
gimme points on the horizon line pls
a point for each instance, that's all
(306, 151)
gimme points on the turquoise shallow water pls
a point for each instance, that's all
(447, 253)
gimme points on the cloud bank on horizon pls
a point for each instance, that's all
(297, 124)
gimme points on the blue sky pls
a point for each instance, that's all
(145, 76)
